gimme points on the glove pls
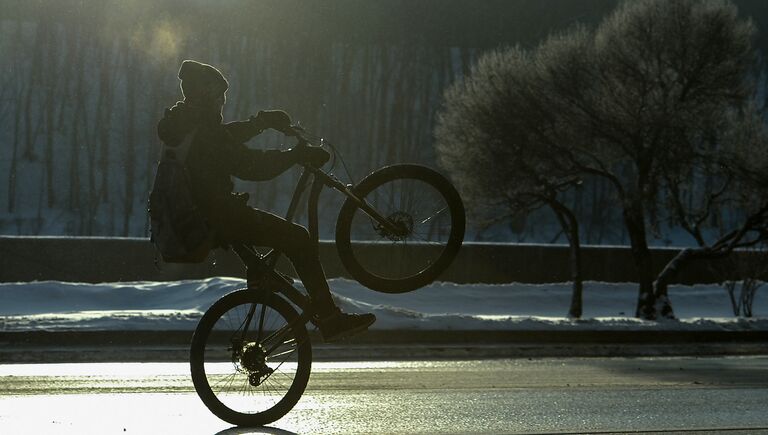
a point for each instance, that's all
(275, 119)
(313, 156)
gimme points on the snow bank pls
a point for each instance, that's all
(440, 306)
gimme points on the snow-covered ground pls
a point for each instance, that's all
(440, 306)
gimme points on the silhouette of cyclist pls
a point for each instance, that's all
(217, 152)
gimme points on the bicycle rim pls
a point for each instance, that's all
(427, 210)
(253, 376)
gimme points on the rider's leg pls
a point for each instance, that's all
(261, 228)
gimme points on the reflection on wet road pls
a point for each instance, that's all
(488, 396)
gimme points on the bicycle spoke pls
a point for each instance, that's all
(228, 381)
(433, 215)
(287, 352)
(415, 201)
(262, 362)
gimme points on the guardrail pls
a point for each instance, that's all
(94, 259)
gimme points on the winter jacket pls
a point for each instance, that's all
(217, 153)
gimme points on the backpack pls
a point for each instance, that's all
(178, 227)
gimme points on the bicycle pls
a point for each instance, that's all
(251, 354)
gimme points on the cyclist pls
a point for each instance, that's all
(217, 152)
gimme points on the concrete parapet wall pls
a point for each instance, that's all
(88, 259)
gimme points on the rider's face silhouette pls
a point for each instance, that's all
(217, 103)
(213, 104)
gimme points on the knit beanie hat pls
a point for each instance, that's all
(201, 81)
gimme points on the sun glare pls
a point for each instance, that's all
(161, 42)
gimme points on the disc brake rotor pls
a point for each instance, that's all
(402, 221)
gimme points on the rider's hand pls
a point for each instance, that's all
(276, 119)
(313, 156)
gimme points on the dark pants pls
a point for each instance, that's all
(257, 227)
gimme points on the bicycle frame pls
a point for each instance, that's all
(261, 267)
(265, 325)
(321, 179)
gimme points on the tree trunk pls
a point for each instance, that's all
(14, 159)
(576, 308)
(17, 87)
(50, 122)
(129, 145)
(104, 123)
(720, 249)
(395, 130)
(663, 306)
(634, 221)
(34, 79)
(382, 108)
(570, 226)
(76, 137)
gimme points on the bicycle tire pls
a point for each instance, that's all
(420, 267)
(206, 353)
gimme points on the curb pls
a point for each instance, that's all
(397, 337)
(157, 346)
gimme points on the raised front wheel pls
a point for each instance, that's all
(414, 233)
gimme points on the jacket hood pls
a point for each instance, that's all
(181, 119)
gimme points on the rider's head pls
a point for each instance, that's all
(203, 85)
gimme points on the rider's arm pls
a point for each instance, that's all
(242, 131)
(260, 165)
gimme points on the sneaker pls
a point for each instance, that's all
(342, 325)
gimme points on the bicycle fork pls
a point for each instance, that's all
(321, 178)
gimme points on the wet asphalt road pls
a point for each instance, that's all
(571, 395)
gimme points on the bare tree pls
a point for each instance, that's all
(627, 104)
(500, 143)
(726, 173)
(663, 69)
(659, 74)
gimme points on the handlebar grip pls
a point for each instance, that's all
(293, 131)
(299, 133)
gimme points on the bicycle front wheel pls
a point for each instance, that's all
(250, 358)
(424, 230)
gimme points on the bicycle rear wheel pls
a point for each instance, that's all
(250, 373)
(429, 215)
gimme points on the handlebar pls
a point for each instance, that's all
(307, 139)
(302, 135)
